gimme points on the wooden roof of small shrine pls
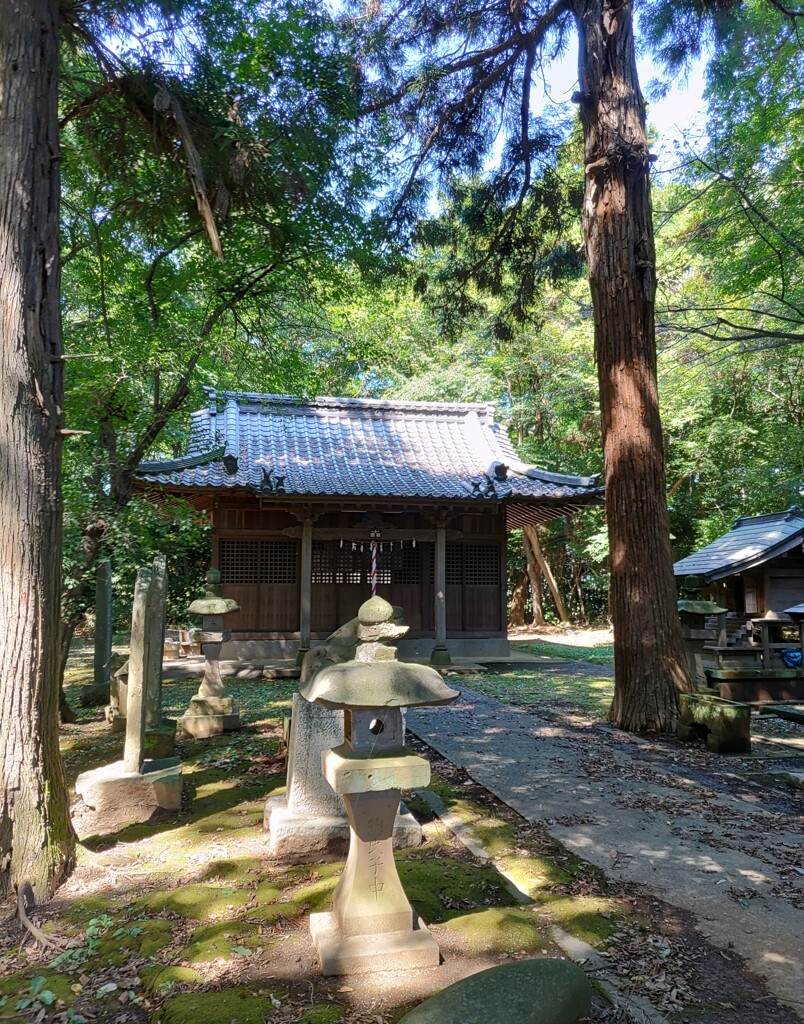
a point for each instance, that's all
(275, 445)
(750, 542)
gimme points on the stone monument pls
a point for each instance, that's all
(97, 694)
(372, 926)
(311, 819)
(136, 788)
(115, 711)
(160, 733)
(211, 711)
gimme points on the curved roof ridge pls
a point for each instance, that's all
(218, 399)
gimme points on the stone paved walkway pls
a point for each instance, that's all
(643, 816)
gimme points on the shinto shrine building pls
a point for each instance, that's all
(299, 489)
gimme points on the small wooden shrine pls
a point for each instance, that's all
(310, 499)
(756, 573)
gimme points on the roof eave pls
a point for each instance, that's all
(723, 571)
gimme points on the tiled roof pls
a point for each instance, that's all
(276, 444)
(751, 541)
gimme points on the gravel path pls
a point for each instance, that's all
(636, 811)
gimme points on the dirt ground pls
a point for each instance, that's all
(570, 635)
(186, 921)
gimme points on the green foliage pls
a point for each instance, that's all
(245, 110)
(37, 996)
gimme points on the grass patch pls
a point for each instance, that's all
(584, 694)
(600, 654)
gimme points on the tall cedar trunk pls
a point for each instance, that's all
(535, 578)
(37, 842)
(532, 534)
(516, 611)
(618, 228)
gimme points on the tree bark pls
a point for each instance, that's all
(533, 536)
(618, 229)
(534, 576)
(37, 842)
(516, 612)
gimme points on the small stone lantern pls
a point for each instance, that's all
(694, 613)
(211, 711)
(372, 926)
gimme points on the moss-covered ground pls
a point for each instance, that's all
(184, 921)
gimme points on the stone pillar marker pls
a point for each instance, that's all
(103, 623)
(137, 662)
(305, 590)
(160, 733)
(211, 711)
(372, 926)
(136, 788)
(311, 819)
(440, 655)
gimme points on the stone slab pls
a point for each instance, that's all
(300, 837)
(160, 742)
(795, 779)
(203, 727)
(348, 772)
(409, 950)
(211, 706)
(546, 991)
(118, 796)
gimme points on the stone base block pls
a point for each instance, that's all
(202, 727)
(211, 706)
(299, 837)
(117, 722)
(412, 950)
(440, 656)
(119, 797)
(209, 716)
(160, 742)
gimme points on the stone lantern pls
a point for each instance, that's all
(211, 711)
(372, 926)
(695, 613)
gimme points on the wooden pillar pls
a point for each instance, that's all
(306, 588)
(440, 655)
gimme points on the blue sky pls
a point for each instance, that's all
(682, 110)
